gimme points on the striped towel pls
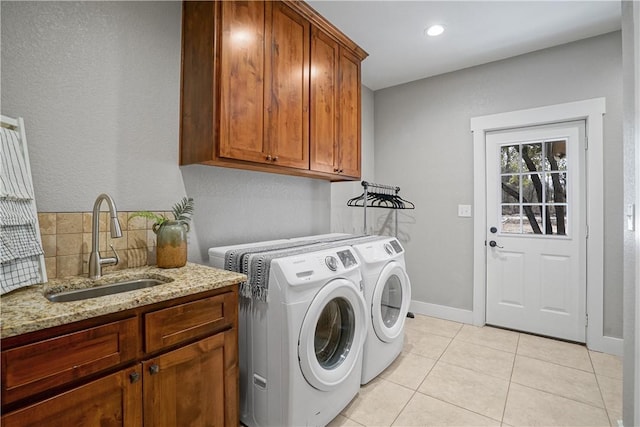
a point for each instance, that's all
(20, 248)
(16, 212)
(15, 180)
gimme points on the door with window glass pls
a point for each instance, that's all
(536, 230)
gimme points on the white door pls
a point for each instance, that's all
(536, 230)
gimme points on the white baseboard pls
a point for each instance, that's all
(608, 345)
(441, 311)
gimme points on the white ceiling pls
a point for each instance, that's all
(477, 32)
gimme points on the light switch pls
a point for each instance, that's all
(464, 211)
(631, 217)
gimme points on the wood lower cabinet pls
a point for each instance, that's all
(188, 384)
(248, 93)
(169, 364)
(111, 401)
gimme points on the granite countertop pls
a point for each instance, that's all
(27, 310)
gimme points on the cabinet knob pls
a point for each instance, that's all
(134, 377)
(154, 369)
(336, 170)
(341, 170)
(275, 158)
(268, 157)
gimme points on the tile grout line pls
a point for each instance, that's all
(604, 404)
(426, 376)
(450, 403)
(513, 367)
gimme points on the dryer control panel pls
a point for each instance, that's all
(380, 251)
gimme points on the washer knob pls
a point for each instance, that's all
(331, 262)
(388, 248)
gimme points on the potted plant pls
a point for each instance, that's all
(171, 235)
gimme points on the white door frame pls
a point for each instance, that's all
(592, 111)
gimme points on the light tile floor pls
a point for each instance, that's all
(450, 374)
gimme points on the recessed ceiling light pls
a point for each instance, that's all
(435, 30)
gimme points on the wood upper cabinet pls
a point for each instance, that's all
(264, 87)
(286, 131)
(349, 116)
(242, 81)
(248, 96)
(335, 107)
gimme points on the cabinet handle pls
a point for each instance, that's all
(134, 377)
(154, 369)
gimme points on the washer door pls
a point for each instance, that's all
(390, 302)
(332, 334)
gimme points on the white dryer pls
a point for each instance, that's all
(387, 292)
(304, 354)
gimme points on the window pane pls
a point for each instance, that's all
(531, 188)
(511, 189)
(510, 159)
(556, 155)
(558, 215)
(556, 187)
(532, 157)
(510, 219)
(532, 221)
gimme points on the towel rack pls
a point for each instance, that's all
(380, 196)
(17, 125)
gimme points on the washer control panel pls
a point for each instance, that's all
(347, 258)
(331, 262)
(314, 266)
(388, 248)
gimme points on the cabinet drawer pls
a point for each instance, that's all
(174, 325)
(37, 367)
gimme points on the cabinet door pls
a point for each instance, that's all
(349, 115)
(186, 387)
(241, 81)
(286, 129)
(108, 402)
(324, 96)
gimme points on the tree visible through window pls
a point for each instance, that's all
(534, 187)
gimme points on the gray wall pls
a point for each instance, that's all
(423, 144)
(346, 219)
(631, 130)
(98, 86)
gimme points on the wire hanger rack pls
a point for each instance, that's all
(380, 196)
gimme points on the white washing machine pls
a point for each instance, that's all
(217, 254)
(387, 292)
(304, 345)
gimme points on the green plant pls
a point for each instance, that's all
(182, 212)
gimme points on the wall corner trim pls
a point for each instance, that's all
(441, 311)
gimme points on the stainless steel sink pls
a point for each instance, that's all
(102, 290)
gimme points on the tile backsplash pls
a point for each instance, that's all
(66, 240)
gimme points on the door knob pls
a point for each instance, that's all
(493, 230)
(494, 244)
